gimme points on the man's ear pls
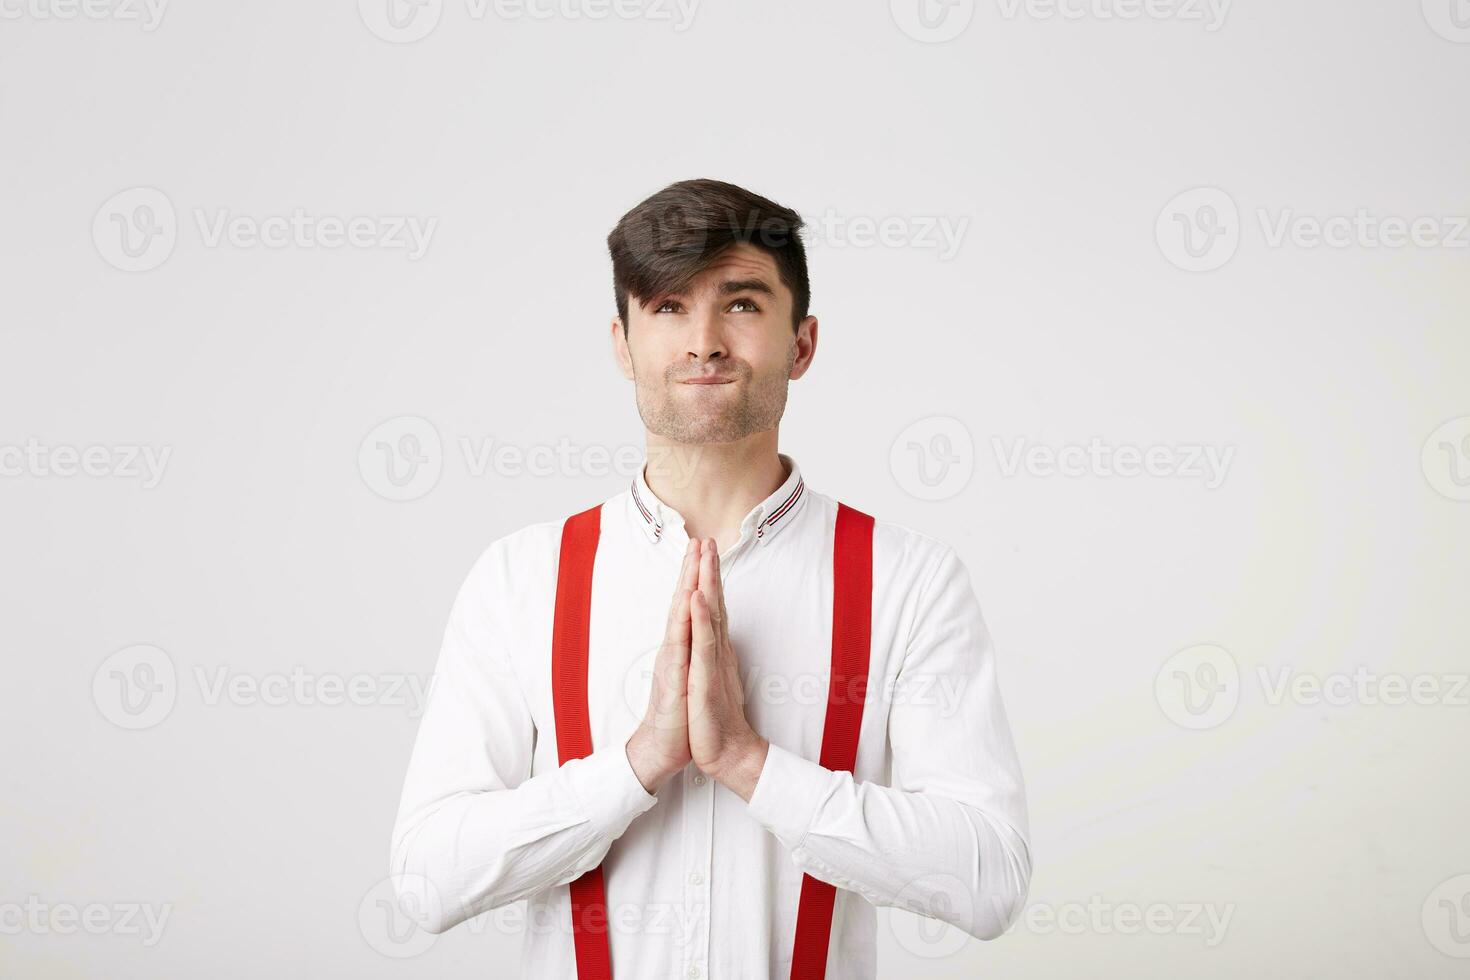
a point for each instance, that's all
(620, 348)
(806, 347)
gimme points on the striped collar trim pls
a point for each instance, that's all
(786, 506)
(654, 525)
(767, 518)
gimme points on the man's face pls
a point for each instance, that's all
(712, 364)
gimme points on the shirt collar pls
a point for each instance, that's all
(766, 519)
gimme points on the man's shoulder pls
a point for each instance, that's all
(536, 546)
(894, 534)
(903, 547)
(520, 557)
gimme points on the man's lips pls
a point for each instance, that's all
(706, 381)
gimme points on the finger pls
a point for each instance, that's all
(676, 629)
(688, 582)
(706, 569)
(719, 593)
(716, 593)
(702, 642)
(709, 584)
(679, 634)
(689, 571)
(702, 679)
(688, 576)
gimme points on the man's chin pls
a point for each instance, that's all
(703, 432)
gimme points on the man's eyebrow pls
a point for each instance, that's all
(746, 286)
(730, 286)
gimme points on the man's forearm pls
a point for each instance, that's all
(482, 850)
(956, 862)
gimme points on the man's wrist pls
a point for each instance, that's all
(646, 763)
(741, 773)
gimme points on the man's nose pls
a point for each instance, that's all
(707, 336)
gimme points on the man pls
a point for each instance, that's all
(648, 773)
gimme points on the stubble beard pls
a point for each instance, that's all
(686, 417)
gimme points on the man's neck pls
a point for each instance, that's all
(714, 485)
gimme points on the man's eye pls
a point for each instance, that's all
(666, 303)
(749, 303)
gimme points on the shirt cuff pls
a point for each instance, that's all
(788, 794)
(608, 789)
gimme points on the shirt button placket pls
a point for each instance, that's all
(697, 886)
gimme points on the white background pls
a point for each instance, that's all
(1329, 836)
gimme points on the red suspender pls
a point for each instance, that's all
(852, 618)
(573, 728)
(852, 613)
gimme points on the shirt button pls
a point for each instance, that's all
(697, 878)
(694, 971)
(699, 779)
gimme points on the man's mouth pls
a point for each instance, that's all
(707, 381)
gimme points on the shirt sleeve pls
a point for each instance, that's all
(950, 838)
(474, 829)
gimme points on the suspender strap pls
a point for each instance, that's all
(573, 727)
(852, 618)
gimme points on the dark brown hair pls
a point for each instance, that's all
(666, 240)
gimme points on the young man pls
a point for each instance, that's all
(727, 783)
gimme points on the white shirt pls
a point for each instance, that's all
(698, 882)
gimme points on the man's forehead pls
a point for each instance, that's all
(741, 263)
